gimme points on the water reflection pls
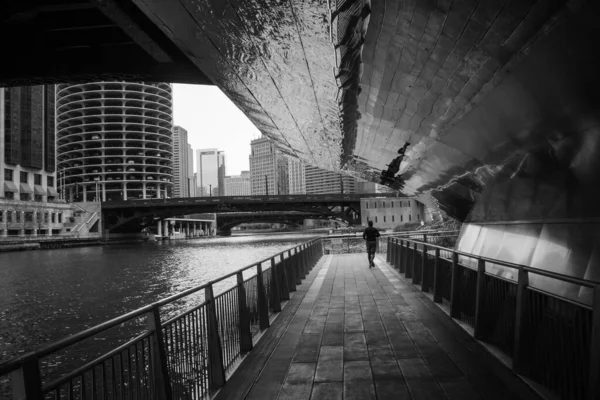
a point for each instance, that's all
(47, 295)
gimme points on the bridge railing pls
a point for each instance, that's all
(187, 355)
(551, 340)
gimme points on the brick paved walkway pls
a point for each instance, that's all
(351, 332)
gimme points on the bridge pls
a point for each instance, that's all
(225, 222)
(132, 215)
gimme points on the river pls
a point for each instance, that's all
(49, 294)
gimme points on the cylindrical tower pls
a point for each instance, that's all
(114, 141)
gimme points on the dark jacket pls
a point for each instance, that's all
(370, 234)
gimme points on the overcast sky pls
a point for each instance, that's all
(213, 121)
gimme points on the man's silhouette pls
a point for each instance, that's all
(370, 235)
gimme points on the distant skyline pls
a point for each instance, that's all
(213, 121)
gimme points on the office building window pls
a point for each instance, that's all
(384, 218)
(17, 216)
(9, 216)
(392, 203)
(45, 217)
(50, 181)
(401, 218)
(52, 217)
(23, 177)
(28, 216)
(8, 175)
(37, 197)
(60, 218)
(393, 218)
(409, 217)
(9, 195)
(24, 196)
(375, 219)
(37, 179)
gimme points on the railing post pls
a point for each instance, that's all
(479, 298)
(424, 274)
(520, 321)
(410, 255)
(216, 372)
(291, 272)
(415, 279)
(158, 355)
(275, 294)
(298, 273)
(261, 299)
(437, 278)
(27, 381)
(245, 333)
(594, 379)
(401, 256)
(285, 292)
(455, 288)
(388, 256)
(304, 261)
(395, 252)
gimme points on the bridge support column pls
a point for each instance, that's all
(159, 228)
(165, 228)
(85, 190)
(103, 188)
(124, 190)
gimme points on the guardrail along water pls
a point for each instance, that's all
(552, 341)
(187, 356)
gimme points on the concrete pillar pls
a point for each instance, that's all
(5, 222)
(187, 229)
(159, 228)
(49, 231)
(22, 230)
(166, 227)
(34, 231)
(85, 190)
(144, 190)
(194, 228)
(124, 190)
(70, 194)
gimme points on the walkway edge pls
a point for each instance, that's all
(241, 381)
(512, 380)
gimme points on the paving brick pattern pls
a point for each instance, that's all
(363, 333)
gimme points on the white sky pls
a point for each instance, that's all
(213, 121)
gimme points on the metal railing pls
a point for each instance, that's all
(186, 356)
(553, 341)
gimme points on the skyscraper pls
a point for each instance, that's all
(180, 162)
(115, 140)
(238, 185)
(271, 169)
(27, 133)
(320, 181)
(210, 165)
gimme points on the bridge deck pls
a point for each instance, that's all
(351, 332)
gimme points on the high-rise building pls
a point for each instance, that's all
(296, 176)
(320, 181)
(180, 162)
(363, 186)
(27, 134)
(210, 166)
(264, 171)
(238, 185)
(190, 173)
(272, 172)
(115, 140)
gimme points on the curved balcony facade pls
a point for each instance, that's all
(114, 140)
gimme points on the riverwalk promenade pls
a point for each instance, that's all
(350, 332)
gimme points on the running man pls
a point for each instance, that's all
(370, 235)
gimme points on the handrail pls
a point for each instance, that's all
(549, 274)
(15, 363)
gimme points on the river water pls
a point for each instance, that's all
(50, 294)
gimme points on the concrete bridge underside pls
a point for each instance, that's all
(488, 109)
(225, 222)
